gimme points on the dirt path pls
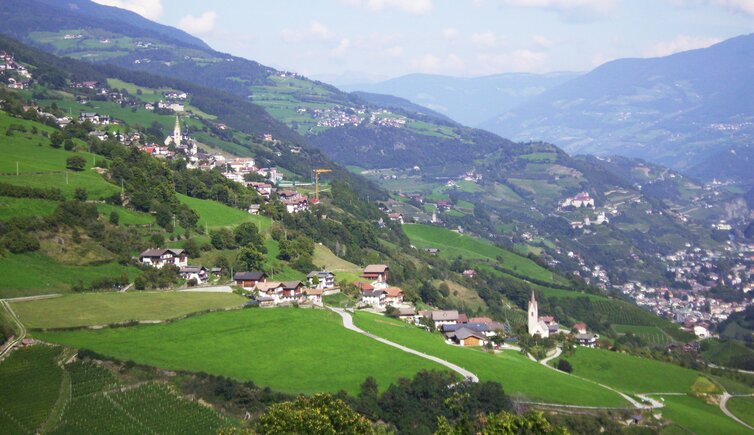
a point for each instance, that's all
(348, 324)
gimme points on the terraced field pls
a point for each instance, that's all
(651, 334)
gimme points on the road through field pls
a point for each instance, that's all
(348, 324)
(22, 329)
(724, 408)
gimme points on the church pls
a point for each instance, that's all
(537, 326)
(183, 144)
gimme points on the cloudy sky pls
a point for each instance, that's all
(388, 38)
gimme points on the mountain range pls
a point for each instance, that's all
(468, 100)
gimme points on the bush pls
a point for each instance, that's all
(80, 194)
(75, 163)
(564, 366)
(18, 242)
(114, 217)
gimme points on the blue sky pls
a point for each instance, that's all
(388, 38)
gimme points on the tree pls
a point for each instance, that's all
(222, 239)
(75, 163)
(503, 423)
(564, 366)
(391, 311)
(248, 234)
(80, 194)
(114, 217)
(56, 139)
(18, 242)
(251, 259)
(319, 414)
(69, 145)
(163, 215)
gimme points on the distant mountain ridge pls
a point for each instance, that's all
(468, 100)
(674, 110)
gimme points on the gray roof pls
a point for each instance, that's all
(478, 327)
(248, 276)
(373, 294)
(465, 333)
(161, 251)
(451, 315)
(193, 269)
(319, 273)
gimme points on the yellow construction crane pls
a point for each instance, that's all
(317, 173)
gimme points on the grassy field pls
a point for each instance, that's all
(651, 334)
(692, 415)
(36, 273)
(126, 216)
(323, 257)
(290, 350)
(87, 309)
(518, 375)
(25, 207)
(30, 381)
(214, 215)
(452, 245)
(631, 373)
(743, 408)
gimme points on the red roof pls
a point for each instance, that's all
(363, 286)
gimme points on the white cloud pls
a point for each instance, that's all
(593, 5)
(418, 7)
(484, 39)
(450, 33)
(542, 41)
(200, 25)
(430, 63)
(342, 47)
(680, 43)
(396, 51)
(151, 9)
(315, 32)
(739, 6)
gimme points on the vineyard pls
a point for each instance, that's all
(150, 408)
(651, 334)
(30, 381)
(624, 313)
(39, 394)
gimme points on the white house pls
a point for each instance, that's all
(393, 296)
(442, 317)
(160, 257)
(325, 279)
(198, 273)
(375, 298)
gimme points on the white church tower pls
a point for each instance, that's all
(176, 138)
(536, 326)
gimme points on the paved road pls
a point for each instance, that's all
(9, 346)
(557, 353)
(348, 324)
(724, 408)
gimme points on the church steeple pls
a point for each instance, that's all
(177, 132)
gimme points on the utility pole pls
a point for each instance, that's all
(66, 177)
(16, 169)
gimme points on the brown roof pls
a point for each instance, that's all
(376, 268)
(393, 292)
(314, 291)
(444, 315)
(363, 286)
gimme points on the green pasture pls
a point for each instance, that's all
(743, 408)
(213, 214)
(692, 415)
(651, 334)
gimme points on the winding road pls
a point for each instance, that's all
(724, 408)
(348, 324)
(22, 334)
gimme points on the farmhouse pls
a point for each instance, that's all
(375, 298)
(468, 337)
(313, 295)
(94, 118)
(160, 257)
(198, 273)
(441, 317)
(322, 279)
(249, 279)
(581, 200)
(393, 296)
(376, 272)
(407, 314)
(587, 339)
(396, 217)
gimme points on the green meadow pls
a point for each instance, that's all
(289, 350)
(743, 408)
(35, 273)
(692, 415)
(452, 245)
(630, 373)
(86, 309)
(651, 334)
(519, 375)
(213, 214)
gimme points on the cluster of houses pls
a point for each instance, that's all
(18, 76)
(267, 293)
(580, 200)
(161, 257)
